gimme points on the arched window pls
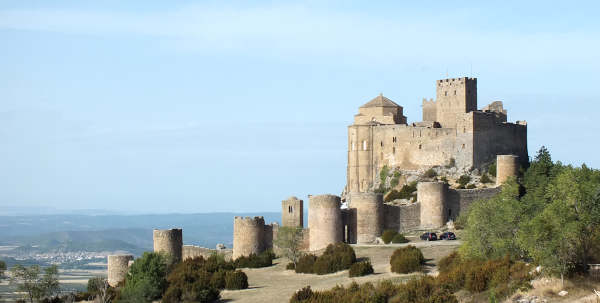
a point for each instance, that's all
(290, 209)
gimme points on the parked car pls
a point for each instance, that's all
(429, 236)
(448, 236)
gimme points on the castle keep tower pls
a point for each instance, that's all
(369, 216)
(248, 236)
(118, 266)
(169, 241)
(432, 196)
(324, 221)
(292, 212)
(506, 166)
(454, 97)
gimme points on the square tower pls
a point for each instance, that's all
(455, 97)
(292, 212)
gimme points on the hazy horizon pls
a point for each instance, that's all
(176, 107)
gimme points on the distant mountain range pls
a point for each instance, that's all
(133, 233)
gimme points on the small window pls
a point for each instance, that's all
(463, 146)
(450, 213)
(353, 147)
(365, 145)
(445, 93)
(420, 146)
(394, 150)
(290, 209)
(455, 92)
(381, 143)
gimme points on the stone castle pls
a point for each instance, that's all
(453, 133)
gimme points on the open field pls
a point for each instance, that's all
(276, 284)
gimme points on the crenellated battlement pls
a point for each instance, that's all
(250, 221)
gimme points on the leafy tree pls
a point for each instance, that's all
(146, 280)
(36, 287)
(536, 179)
(289, 240)
(492, 225)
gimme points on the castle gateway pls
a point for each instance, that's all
(453, 133)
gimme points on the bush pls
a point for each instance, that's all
(451, 163)
(430, 173)
(407, 192)
(471, 186)
(197, 280)
(360, 269)
(290, 265)
(305, 264)
(492, 169)
(399, 238)
(388, 235)
(217, 280)
(485, 179)
(463, 180)
(336, 257)
(236, 280)
(263, 259)
(302, 295)
(407, 259)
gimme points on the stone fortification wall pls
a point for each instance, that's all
(349, 225)
(494, 137)
(369, 216)
(506, 166)
(248, 236)
(324, 221)
(402, 217)
(432, 197)
(292, 212)
(169, 241)
(270, 233)
(191, 251)
(118, 266)
(459, 200)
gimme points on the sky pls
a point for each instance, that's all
(181, 106)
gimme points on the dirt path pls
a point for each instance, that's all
(275, 284)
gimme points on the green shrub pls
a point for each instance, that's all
(217, 280)
(336, 257)
(305, 264)
(463, 180)
(263, 259)
(471, 186)
(430, 173)
(290, 265)
(388, 235)
(236, 280)
(492, 169)
(360, 269)
(302, 295)
(407, 192)
(190, 281)
(444, 179)
(485, 179)
(399, 238)
(407, 259)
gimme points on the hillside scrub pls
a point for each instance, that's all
(407, 259)
(336, 257)
(408, 192)
(263, 259)
(201, 280)
(360, 269)
(551, 216)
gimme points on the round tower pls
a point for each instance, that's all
(118, 266)
(324, 221)
(369, 216)
(169, 241)
(506, 166)
(248, 236)
(432, 199)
